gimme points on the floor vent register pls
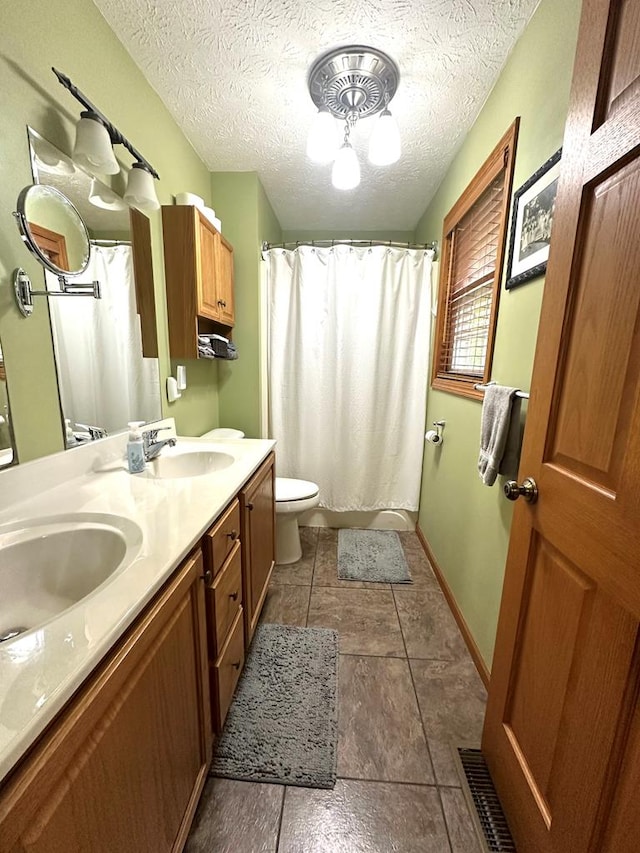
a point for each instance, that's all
(487, 811)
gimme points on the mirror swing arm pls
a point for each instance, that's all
(24, 292)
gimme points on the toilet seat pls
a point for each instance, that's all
(295, 496)
(288, 489)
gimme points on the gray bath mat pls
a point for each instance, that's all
(282, 725)
(371, 555)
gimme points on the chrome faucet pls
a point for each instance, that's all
(95, 432)
(152, 446)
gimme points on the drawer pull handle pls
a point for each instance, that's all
(233, 596)
(233, 535)
(249, 506)
(236, 665)
(207, 577)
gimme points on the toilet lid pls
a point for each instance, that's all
(294, 490)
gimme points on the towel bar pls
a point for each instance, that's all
(524, 395)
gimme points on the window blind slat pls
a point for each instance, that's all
(475, 240)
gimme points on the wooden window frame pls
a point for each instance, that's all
(502, 157)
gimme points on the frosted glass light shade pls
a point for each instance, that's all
(48, 158)
(384, 144)
(141, 191)
(103, 197)
(345, 174)
(323, 140)
(93, 150)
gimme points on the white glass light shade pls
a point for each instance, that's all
(141, 191)
(103, 197)
(384, 143)
(48, 158)
(93, 150)
(323, 139)
(345, 174)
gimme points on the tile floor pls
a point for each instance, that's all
(407, 688)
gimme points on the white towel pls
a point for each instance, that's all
(499, 433)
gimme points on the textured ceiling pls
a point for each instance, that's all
(233, 75)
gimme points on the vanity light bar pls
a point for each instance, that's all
(117, 138)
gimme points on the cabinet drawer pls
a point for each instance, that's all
(226, 671)
(219, 541)
(223, 601)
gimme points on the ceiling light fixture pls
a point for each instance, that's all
(95, 138)
(348, 84)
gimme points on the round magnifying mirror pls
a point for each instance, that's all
(53, 230)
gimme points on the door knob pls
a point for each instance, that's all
(528, 490)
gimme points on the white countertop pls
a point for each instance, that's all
(41, 669)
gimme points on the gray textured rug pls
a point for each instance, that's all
(371, 555)
(282, 725)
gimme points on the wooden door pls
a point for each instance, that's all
(562, 731)
(224, 290)
(257, 507)
(207, 268)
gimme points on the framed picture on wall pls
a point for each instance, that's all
(533, 206)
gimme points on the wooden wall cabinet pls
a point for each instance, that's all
(258, 520)
(198, 263)
(123, 766)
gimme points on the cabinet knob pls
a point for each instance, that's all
(249, 506)
(220, 302)
(236, 665)
(233, 596)
(207, 577)
(224, 304)
(233, 535)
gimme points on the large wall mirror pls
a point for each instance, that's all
(105, 349)
(7, 451)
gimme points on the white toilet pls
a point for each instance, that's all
(293, 497)
(223, 434)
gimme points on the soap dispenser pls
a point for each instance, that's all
(135, 448)
(68, 433)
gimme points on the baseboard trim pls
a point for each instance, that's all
(474, 651)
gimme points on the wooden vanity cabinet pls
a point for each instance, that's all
(258, 529)
(224, 597)
(198, 263)
(122, 767)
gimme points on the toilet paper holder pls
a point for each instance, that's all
(436, 437)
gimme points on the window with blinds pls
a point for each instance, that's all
(471, 265)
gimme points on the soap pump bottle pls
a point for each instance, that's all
(135, 448)
(68, 433)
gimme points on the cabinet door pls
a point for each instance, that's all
(224, 296)
(124, 764)
(207, 269)
(257, 506)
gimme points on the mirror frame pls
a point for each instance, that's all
(29, 239)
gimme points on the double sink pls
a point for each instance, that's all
(53, 563)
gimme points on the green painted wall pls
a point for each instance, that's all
(301, 236)
(466, 523)
(247, 219)
(72, 36)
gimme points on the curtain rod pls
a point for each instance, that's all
(396, 244)
(110, 242)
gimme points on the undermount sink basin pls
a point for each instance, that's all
(178, 462)
(51, 564)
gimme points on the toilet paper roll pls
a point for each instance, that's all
(190, 198)
(433, 438)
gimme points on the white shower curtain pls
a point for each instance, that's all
(104, 381)
(348, 344)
